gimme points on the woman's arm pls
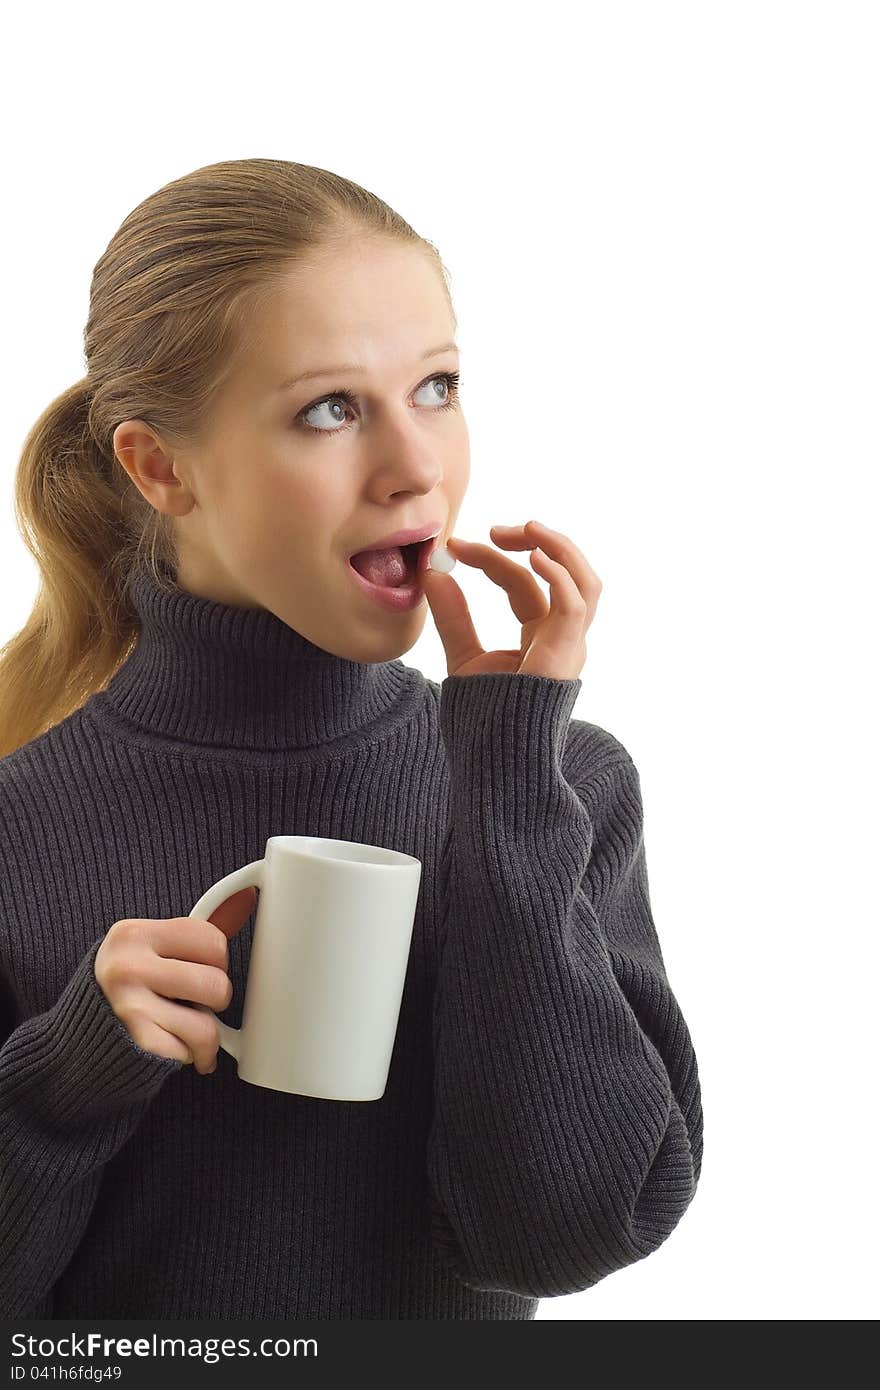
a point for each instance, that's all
(73, 1088)
(567, 1134)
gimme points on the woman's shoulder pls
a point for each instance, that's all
(38, 755)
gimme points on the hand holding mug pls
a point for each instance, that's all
(325, 973)
(144, 964)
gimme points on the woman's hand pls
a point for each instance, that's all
(148, 967)
(553, 641)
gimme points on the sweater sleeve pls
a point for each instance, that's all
(566, 1139)
(73, 1086)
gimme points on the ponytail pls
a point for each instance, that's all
(79, 515)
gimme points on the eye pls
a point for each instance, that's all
(450, 402)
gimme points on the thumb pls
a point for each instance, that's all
(232, 914)
(452, 618)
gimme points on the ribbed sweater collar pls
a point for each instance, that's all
(210, 673)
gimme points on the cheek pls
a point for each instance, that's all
(318, 506)
(457, 475)
(296, 506)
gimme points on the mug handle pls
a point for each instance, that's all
(249, 876)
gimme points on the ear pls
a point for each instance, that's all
(142, 454)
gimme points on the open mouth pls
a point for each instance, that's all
(397, 567)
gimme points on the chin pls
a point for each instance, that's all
(388, 646)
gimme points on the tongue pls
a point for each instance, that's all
(385, 567)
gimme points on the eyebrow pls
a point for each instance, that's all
(356, 367)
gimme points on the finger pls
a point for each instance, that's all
(196, 1030)
(558, 547)
(452, 618)
(160, 1041)
(565, 620)
(527, 599)
(187, 980)
(187, 938)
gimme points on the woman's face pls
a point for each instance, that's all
(267, 510)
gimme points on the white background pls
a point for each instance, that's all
(661, 222)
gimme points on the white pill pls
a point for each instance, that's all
(441, 560)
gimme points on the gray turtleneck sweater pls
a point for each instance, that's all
(542, 1123)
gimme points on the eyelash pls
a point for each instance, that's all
(451, 378)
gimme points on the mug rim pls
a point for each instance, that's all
(296, 844)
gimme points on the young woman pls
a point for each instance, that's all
(272, 388)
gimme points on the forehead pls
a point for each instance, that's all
(380, 308)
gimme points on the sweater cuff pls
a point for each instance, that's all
(77, 1061)
(504, 735)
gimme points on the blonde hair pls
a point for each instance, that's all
(172, 300)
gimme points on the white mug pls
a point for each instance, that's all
(328, 960)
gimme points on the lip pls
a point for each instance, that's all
(399, 600)
(419, 533)
(405, 596)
